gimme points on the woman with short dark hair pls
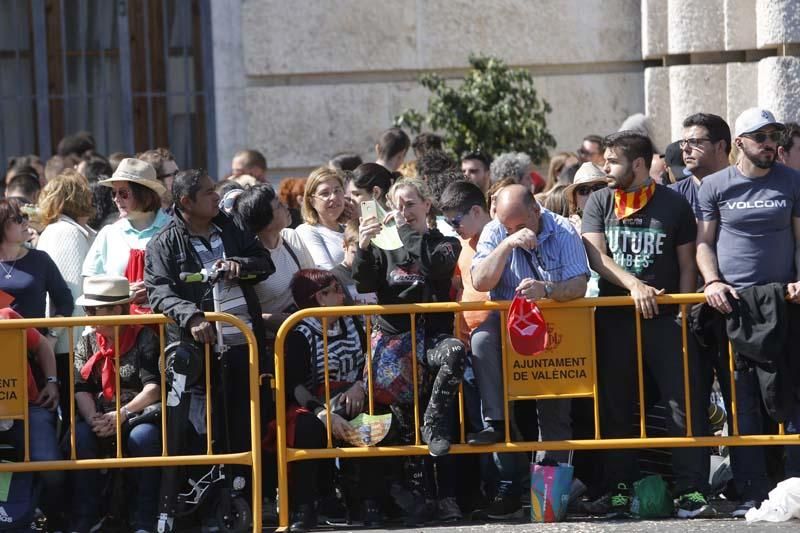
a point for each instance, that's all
(120, 247)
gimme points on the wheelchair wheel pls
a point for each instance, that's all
(234, 517)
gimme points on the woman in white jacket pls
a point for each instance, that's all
(65, 206)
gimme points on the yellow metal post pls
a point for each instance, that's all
(640, 370)
(687, 395)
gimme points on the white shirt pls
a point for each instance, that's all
(324, 244)
(275, 293)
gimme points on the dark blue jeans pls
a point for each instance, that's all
(43, 447)
(143, 441)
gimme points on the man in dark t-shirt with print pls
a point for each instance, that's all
(748, 230)
(639, 237)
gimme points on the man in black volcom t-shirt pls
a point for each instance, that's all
(640, 237)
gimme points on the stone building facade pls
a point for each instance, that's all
(305, 79)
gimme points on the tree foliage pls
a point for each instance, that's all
(495, 109)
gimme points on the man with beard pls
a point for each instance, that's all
(705, 147)
(748, 230)
(639, 237)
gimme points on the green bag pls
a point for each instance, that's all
(651, 498)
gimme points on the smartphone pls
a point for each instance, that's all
(369, 209)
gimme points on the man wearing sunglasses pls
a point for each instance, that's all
(747, 238)
(704, 147)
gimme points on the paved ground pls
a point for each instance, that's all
(598, 526)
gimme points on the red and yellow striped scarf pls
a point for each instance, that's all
(627, 203)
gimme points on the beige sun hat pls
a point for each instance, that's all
(136, 171)
(104, 290)
(587, 174)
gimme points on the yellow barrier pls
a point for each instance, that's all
(286, 455)
(252, 458)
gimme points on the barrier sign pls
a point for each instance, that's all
(566, 367)
(13, 375)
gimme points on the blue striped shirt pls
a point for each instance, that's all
(559, 256)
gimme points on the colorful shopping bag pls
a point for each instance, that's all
(550, 486)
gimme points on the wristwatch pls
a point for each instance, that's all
(548, 289)
(52, 379)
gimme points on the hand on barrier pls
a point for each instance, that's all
(48, 397)
(644, 298)
(716, 296)
(202, 330)
(532, 289)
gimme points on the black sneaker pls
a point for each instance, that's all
(437, 444)
(694, 505)
(742, 508)
(620, 502)
(303, 519)
(504, 508)
(370, 513)
(486, 436)
(424, 512)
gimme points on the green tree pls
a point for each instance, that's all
(495, 109)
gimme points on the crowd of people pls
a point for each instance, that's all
(715, 212)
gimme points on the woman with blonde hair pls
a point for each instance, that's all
(420, 271)
(65, 207)
(323, 210)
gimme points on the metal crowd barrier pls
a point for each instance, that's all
(286, 455)
(12, 333)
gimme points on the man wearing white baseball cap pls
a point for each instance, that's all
(747, 235)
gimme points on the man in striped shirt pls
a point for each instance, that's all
(532, 252)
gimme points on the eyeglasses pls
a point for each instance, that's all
(455, 222)
(338, 191)
(19, 219)
(694, 142)
(586, 190)
(122, 193)
(761, 136)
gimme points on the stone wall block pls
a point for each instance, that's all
(742, 89)
(740, 24)
(779, 87)
(696, 89)
(778, 22)
(696, 26)
(656, 97)
(309, 36)
(528, 32)
(654, 29)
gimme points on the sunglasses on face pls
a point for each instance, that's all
(122, 193)
(93, 311)
(455, 222)
(586, 190)
(761, 136)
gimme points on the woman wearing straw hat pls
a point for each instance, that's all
(119, 248)
(95, 396)
(588, 178)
